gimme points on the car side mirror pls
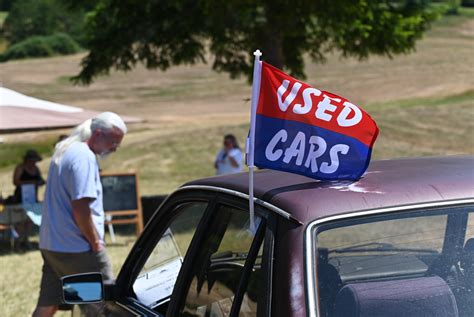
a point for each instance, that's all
(83, 288)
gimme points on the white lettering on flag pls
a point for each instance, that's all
(324, 109)
(289, 99)
(297, 149)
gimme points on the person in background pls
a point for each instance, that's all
(27, 173)
(229, 158)
(72, 226)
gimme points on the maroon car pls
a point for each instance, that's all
(398, 242)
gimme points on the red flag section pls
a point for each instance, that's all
(283, 97)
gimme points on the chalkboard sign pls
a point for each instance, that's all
(121, 199)
(120, 192)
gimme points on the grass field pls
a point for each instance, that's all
(422, 102)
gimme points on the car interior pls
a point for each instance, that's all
(379, 279)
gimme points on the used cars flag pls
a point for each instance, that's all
(301, 129)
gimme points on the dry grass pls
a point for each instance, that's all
(422, 102)
(21, 274)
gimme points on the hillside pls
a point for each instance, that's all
(423, 103)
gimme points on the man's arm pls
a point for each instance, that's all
(82, 215)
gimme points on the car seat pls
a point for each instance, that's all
(329, 283)
(467, 262)
(464, 290)
(416, 297)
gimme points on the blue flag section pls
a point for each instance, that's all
(308, 150)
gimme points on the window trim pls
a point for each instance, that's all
(184, 278)
(271, 220)
(248, 266)
(267, 263)
(312, 293)
(246, 197)
(147, 241)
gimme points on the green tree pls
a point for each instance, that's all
(163, 33)
(42, 17)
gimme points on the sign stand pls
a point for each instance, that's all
(122, 204)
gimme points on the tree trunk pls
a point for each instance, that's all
(272, 49)
(272, 42)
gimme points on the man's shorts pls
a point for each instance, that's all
(59, 264)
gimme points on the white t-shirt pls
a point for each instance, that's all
(224, 166)
(76, 176)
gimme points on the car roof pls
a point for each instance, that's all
(387, 183)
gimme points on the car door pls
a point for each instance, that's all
(198, 257)
(146, 280)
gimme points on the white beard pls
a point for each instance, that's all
(103, 156)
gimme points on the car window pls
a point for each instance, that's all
(221, 264)
(157, 278)
(374, 261)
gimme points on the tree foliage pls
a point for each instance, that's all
(5, 5)
(162, 33)
(42, 18)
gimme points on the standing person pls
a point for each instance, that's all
(229, 158)
(72, 227)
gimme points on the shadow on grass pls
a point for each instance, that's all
(17, 247)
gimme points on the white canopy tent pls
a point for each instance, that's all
(19, 112)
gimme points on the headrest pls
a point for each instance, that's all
(469, 245)
(425, 296)
(467, 256)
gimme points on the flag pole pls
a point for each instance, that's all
(251, 138)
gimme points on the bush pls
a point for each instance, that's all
(41, 46)
(446, 7)
(28, 18)
(453, 7)
(62, 44)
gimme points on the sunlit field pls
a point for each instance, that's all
(423, 104)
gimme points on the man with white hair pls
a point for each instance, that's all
(72, 226)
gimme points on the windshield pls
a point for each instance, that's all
(366, 263)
